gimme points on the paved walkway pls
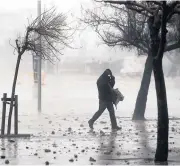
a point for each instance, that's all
(61, 134)
(66, 139)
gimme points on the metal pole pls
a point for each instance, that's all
(39, 62)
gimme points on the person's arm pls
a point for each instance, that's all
(110, 88)
(113, 81)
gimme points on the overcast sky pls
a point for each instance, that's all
(63, 5)
(14, 14)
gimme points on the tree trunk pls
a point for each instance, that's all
(141, 100)
(13, 93)
(163, 120)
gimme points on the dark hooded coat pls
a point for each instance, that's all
(105, 85)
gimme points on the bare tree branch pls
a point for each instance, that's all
(125, 27)
(55, 32)
(15, 49)
(171, 47)
(133, 5)
(122, 28)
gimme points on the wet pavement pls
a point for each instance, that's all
(61, 134)
(68, 140)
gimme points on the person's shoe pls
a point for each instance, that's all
(117, 128)
(90, 124)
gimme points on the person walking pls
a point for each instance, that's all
(105, 84)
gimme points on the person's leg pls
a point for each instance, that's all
(102, 107)
(112, 116)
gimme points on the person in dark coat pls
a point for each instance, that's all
(105, 84)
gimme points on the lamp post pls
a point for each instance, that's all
(39, 60)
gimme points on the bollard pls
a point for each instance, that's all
(3, 113)
(5, 100)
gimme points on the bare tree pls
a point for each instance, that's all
(127, 29)
(174, 57)
(158, 13)
(55, 34)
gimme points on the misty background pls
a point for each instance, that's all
(14, 17)
(68, 78)
(70, 96)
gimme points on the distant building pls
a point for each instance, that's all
(97, 67)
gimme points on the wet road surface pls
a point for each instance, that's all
(68, 140)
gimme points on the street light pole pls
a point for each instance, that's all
(39, 61)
